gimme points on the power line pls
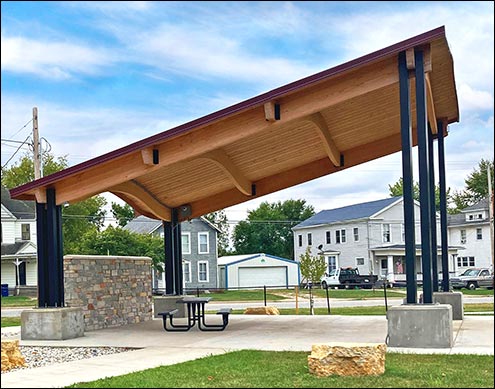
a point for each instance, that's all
(20, 129)
(15, 152)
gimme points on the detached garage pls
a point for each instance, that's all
(256, 271)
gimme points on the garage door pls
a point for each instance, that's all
(260, 276)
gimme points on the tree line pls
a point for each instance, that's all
(266, 229)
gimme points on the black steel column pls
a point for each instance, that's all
(42, 255)
(407, 180)
(443, 207)
(169, 258)
(433, 212)
(173, 255)
(177, 241)
(424, 176)
(54, 250)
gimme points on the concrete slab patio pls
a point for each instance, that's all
(473, 335)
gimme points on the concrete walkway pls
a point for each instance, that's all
(473, 335)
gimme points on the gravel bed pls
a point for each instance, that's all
(37, 356)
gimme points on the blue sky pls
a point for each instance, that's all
(105, 74)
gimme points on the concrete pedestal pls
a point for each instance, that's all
(420, 326)
(452, 298)
(166, 303)
(52, 323)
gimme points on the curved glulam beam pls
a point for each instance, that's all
(300, 174)
(332, 151)
(432, 117)
(144, 201)
(221, 158)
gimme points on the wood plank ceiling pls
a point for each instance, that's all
(327, 122)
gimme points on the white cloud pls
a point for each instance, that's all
(185, 50)
(473, 100)
(55, 60)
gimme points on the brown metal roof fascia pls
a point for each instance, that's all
(236, 108)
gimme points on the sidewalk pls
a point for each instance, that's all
(473, 335)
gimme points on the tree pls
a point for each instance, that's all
(312, 267)
(476, 186)
(23, 170)
(78, 218)
(219, 220)
(122, 213)
(116, 241)
(397, 189)
(268, 228)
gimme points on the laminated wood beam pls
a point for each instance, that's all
(222, 160)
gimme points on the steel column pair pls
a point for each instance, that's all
(50, 253)
(426, 183)
(173, 256)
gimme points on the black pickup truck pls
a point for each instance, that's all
(348, 278)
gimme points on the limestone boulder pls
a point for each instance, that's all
(11, 355)
(262, 311)
(347, 359)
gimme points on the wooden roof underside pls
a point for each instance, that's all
(351, 110)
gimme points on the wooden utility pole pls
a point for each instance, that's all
(36, 145)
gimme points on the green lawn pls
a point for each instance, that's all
(19, 301)
(270, 369)
(476, 292)
(243, 295)
(356, 294)
(357, 311)
(11, 321)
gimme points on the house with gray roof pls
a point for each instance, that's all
(199, 251)
(19, 254)
(470, 229)
(368, 236)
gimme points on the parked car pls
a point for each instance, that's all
(473, 278)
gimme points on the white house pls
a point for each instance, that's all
(471, 229)
(257, 270)
(19, 255)
(369, 236)
(199, 250)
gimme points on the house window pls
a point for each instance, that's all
(310, 239)
(471, 217)
(332, 263)
(466, 261)
(203, 245)
(480, 216)
(300, 240)
(463, 236)
(25, 231)
(356, 234)
(186, 271)
(203, 271)
(386, 233)
(340, 236)
(479, 233)
(186, 243)
(359, 261)
(329, 240)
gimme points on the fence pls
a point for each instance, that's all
(299, 293)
